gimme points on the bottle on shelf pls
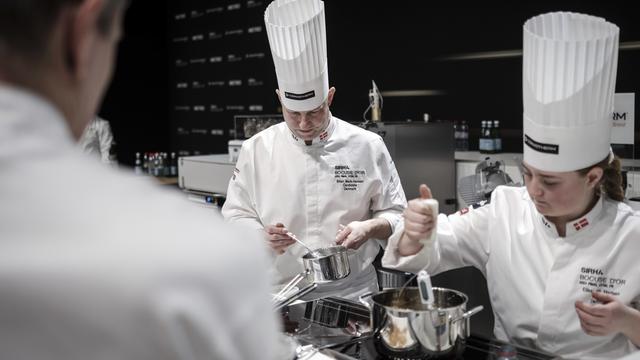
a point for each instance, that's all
(173, 167)
(481, 137)
(457, 136)
(165, 164)
(137, 168)
(464, 136)
(497, 138)
(486, 145)
(145, 163)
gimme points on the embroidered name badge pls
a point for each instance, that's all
(592, 278)
(303, 96)
(350, 179)
(541, 147)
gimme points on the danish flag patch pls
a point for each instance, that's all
(581, 224)
(324, 136)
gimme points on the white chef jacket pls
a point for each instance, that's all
(534, 276)
(100, 264)
(346, 175)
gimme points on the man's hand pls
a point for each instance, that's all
(277, 238)
(353, 235)
(357, 233)
(609, 317)
(419, 222)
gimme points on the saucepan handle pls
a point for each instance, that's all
(465, 316)
(471, 312)
(362, 300)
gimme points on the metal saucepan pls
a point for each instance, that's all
(326, 264)
(405, 327)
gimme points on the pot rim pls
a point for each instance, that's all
(339, 249)
(395, 308)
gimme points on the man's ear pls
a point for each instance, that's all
(80, 36)
(332, 91)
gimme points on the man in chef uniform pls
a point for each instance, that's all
(96, 263)
(317, 176)
(560, 255)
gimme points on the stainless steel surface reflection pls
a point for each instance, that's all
(326, 321)
(334, 320)
(326, 264)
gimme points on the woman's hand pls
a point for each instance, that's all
(419, 222)
(610, 316)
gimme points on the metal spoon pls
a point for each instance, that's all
(294, 237)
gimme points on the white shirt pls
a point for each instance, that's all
(98, 264)
(534, 276)
(346, 175)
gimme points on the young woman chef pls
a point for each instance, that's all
(560, 254)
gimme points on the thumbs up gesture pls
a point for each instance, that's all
(419, 223)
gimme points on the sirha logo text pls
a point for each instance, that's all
(588, 270)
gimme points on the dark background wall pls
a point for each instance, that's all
(402, 45)
(137, 102)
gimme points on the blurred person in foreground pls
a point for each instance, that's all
(95, 263)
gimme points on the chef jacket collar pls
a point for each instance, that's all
(586, 221)
(319, 140)
(575, 226)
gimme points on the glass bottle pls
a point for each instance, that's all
(464, 131)
(497, 138)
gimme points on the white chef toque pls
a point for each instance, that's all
(568, 81)
(297, 36)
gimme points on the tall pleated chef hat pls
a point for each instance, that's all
(297, 36)
(569, 74)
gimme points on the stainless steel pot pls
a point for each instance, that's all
(326, 264)
(404, 327)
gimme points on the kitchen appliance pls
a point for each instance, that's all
(423, 153)
(205, 174)
(479, 186)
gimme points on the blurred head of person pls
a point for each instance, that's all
(62, 50)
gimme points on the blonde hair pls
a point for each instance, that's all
(611, 181)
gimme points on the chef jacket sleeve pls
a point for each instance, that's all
(240, 206)
(462, 240)
(390, 201)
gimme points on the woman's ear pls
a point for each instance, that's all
(594, 176)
